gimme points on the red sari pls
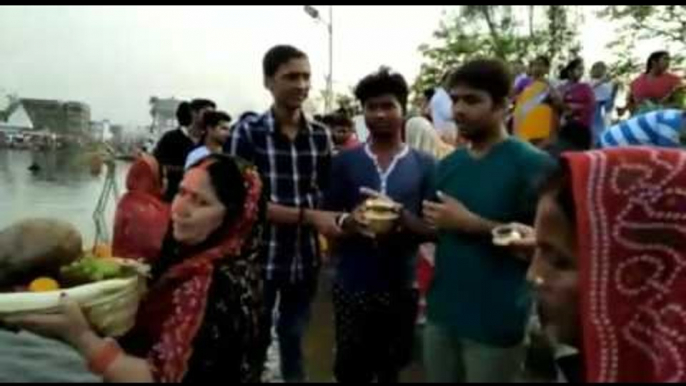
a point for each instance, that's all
(631, 211)
(142, 218)
(653, 88)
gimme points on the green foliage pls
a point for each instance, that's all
(496, 31)
(639, 23)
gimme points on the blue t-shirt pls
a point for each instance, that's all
(363, 264)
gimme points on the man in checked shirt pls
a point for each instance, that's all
(293, 156)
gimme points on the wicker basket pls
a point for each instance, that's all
(114, 313)
(110, 305)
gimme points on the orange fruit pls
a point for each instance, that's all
(44, 284)
(102, 251)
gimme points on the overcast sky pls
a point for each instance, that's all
(115, 58)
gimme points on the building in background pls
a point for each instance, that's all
(77, 118)
(47, 115)
(163, 112)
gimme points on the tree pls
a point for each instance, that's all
(640, 23)
(345, 101)
(348, 104)
(495, 31)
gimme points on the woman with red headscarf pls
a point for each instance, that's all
(201, 319)
(609, 270)
(142, 217)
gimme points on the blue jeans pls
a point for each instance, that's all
(292, 318)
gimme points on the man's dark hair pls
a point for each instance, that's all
(183, 114)
(558, 183)
(429, 93)
(278, 56)
(380, 83)
(199, 104)
(337, 119)
(489, 75)
(212, 119)
(247, 115)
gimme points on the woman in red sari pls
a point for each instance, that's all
(656, 88)
(201, 319)
(609, 270)
(142, 217)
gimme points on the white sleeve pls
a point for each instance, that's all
(195, 156)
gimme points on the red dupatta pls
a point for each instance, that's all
(631, 222)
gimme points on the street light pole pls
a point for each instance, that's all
(329, 84)
(329, 26)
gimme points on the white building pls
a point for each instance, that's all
(15, 118)
(163, 112)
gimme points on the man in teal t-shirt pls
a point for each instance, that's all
(479, 304)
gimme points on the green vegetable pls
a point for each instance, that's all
(91, 269)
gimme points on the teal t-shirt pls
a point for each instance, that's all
(479, 290)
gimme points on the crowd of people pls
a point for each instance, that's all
(231, 216)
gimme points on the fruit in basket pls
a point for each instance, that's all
(44, 284)
(92, 269)
(37, 247)
(102, 250)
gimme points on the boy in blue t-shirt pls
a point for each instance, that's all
(374, 300)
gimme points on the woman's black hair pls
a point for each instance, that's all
(544, 59)
(654, 57)
(229, 186)
(565, 74)
(558, 183)
(228, 183)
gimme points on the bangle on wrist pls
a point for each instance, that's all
(101, 361)
(340, 220)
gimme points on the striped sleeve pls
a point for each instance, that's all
(657, 128)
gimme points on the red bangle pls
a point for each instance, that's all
(103, 359)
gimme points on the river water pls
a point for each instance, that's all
(63, 188)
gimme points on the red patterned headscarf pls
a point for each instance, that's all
(174, 309)
(142, 218)
(631, 211)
